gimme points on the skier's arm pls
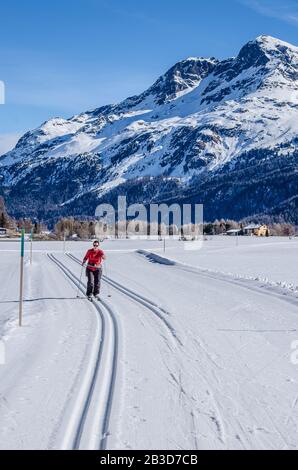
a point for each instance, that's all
(85, 258)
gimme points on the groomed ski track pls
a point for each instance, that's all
(88, 426)
(157, 310)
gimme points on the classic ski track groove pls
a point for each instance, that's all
(89, 412)
(150, 305)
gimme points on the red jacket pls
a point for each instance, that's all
(94, 259)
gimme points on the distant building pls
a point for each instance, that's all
(235, 232)
(257, 230)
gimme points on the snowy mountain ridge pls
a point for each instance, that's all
(221, 132)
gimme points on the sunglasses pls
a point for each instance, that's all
(95, 244)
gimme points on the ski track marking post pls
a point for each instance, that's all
(21, 278)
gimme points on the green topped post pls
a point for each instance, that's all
(21, 277)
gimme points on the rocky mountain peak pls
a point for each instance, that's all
(265, 49)
(183, 76)
(204, 122)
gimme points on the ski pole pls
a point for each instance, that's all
(80, 281)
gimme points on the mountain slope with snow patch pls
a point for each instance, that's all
(222, 133)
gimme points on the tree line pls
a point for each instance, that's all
(70, 227)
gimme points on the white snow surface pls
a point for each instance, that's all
(198, 355)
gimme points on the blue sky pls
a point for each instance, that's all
(62, 57)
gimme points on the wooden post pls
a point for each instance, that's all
(164, 244)
(21, 278)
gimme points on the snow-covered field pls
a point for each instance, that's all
(187, 350)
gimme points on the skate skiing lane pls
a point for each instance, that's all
(241, 340)
(259, 286)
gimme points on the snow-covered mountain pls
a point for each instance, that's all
(222, 133)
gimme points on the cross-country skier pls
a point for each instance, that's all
(94, 258)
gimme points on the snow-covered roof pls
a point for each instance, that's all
(252, 227)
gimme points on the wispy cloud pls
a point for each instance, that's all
(127, 12)
(285, 10)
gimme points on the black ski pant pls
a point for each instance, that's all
(94, 278)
